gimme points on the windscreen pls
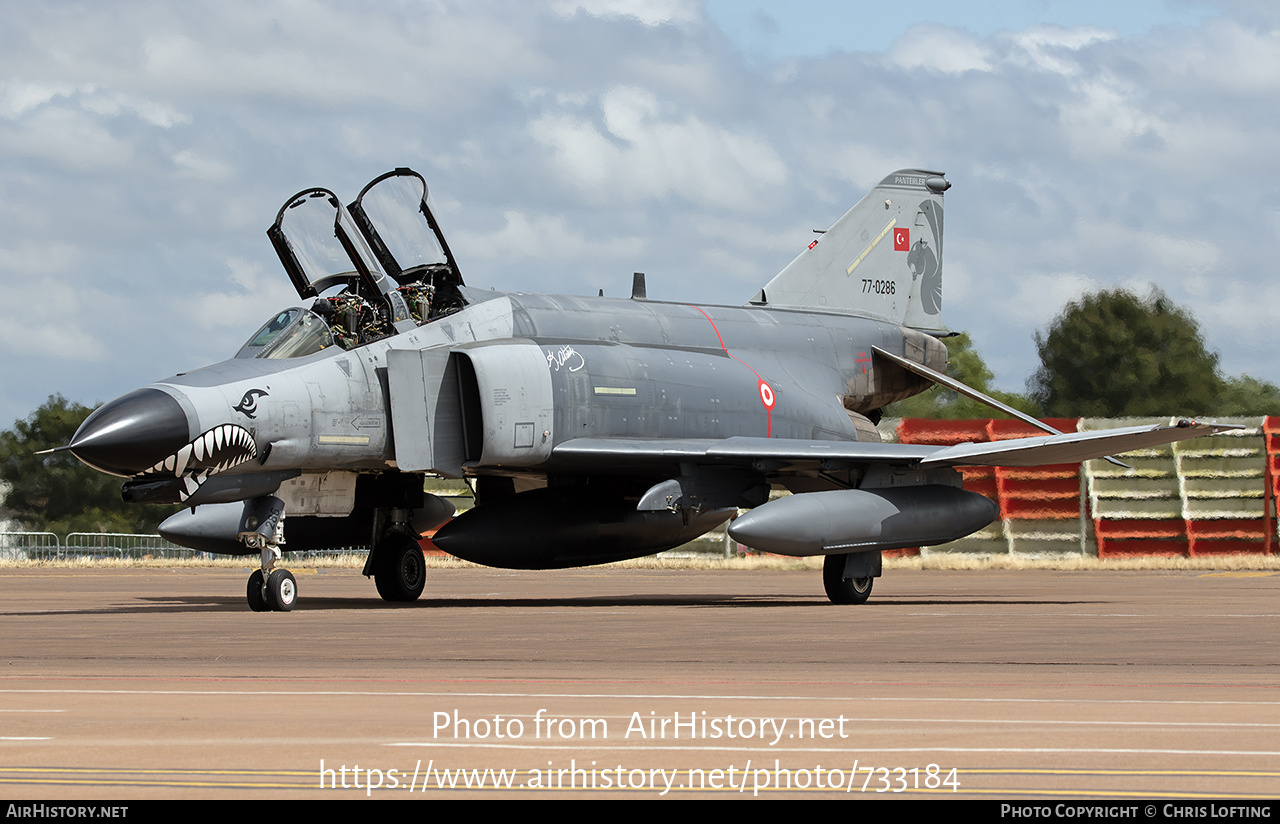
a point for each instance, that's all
(293, 333)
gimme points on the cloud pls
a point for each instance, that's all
(1050, 48)
(144, 147)
(939, 49)
(71, 138)
(60, 322)
(648, 12)
(1040, 297)
(1226, 57)
(547, 238)
(18, 97)
(198, 165)
(641, 149)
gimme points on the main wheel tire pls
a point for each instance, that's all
(399, 571)
(282, 590)
(257, 600)
(842, 590)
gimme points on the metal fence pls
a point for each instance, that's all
(46, 546)
(338, 552)
(121, 545)
(19, 546)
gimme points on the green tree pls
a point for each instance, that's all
(1113, 354)
(965, 365)
(1248, 397)
(57, 493)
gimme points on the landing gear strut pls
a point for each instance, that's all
(269, 588)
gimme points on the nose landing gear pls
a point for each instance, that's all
(269, 589)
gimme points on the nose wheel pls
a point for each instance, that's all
(257, 592)
(282, 590)
(277, 592)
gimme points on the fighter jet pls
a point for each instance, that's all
(590, 429)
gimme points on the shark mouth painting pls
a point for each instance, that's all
(217, 450)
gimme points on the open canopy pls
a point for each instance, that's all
(395, 217)
(378, 267)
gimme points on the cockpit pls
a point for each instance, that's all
(292, 333)
(375, 268)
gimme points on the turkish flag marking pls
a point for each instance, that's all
(901, 240)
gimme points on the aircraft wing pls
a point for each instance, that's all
(775, 452)
(779, 454)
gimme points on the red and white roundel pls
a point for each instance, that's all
(766, 395)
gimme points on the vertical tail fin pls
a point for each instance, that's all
(882, 259)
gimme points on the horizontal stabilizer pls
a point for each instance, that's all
(963, 389)
(980, 397)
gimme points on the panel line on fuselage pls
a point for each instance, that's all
(767, 398)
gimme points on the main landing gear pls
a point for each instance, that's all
(396, 563)
(399, 569)
(848, 578)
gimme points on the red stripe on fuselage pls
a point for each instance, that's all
(761, 393)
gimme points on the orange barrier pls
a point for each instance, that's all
(1178, 501)
(1271, 440)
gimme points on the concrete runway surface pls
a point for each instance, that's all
(1036, 685)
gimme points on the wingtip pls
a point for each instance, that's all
(1188, 423)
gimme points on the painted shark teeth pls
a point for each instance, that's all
(214, 451)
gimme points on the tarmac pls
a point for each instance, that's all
(1031, 685)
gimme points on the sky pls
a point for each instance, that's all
(146, 146)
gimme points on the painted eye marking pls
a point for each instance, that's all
(248, 405)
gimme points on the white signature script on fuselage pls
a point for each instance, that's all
(564, 356)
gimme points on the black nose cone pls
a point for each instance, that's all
(132, 433)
